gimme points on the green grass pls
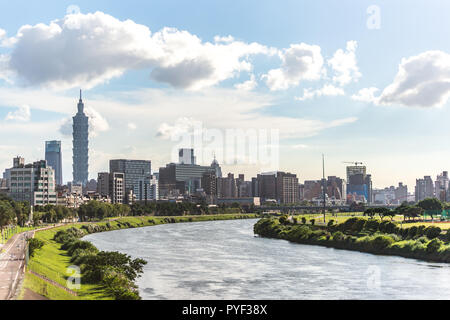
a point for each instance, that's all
(52, 262)
(42, 287)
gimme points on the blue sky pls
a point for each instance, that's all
(399, 132)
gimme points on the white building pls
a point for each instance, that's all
(34, 183)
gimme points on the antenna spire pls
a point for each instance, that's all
(80, 95)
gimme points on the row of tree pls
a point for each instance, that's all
(430, 206)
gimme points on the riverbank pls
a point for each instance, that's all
(368, 236)
(51, 261)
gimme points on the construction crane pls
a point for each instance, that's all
(355, 163)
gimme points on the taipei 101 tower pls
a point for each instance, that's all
(80, 145)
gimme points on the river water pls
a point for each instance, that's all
(224, 260)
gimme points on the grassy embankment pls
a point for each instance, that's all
(52, 262)
(417, 241)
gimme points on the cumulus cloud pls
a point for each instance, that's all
(89, 49)
(299, 62)
(326, 90)
(182, 126)
(366, 95)
(422, 81)
(97, 124)
(344, 64)
(132, 126)
(23, 114)
(247, 85)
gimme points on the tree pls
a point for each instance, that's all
(412, 212)
(431, 206)
(6, 214)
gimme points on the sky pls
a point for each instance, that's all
(262, 85)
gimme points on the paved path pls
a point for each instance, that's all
(12, 262)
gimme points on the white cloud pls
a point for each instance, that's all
(180, 127)
(132, 126)
(97, 124)
(89, 49)
(344, 64)
(366, 95)
(422, 80)
(247, 85)
(23, 114)
(326, 90)
(299, 62)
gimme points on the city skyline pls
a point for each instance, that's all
(332, 107)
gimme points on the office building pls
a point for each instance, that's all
(179, 179)
(103, 184)
(53, 156)
(34, 182)
(424, 188)
(134, 171)
(186, 156)
(80, 145)
(359, 184)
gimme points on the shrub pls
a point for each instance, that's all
(371, 225)
(330, 223)
(381, 242)
(412, 232)
(312, 221)
(303, 220)
(338, 236)
(34, 245)
(434, 245)
(283, 219)
(388, 227)
(353, 225)
(432, 232)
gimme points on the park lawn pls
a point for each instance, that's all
(52, 262)
(42, 287)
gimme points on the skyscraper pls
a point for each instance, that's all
(80, 145)
(134, 171)
(54, 159)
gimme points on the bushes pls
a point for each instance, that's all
(34, 245)
(434, 245)
(353, 225)
(432, 232)
(371, 225)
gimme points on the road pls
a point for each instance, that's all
(12, 261)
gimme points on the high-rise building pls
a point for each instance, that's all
(209, 183)
(34, 182)
(117, 187)
(226, 187)
(424, 188)
(134, 171)
(279, 186)
(216, 166)
(178, 179)
(359, 184)
(80, 145)
(103, 184)
(186, 156)
(53, 156)
(401, 193)
(441, 186)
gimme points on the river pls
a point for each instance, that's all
(224, 260)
